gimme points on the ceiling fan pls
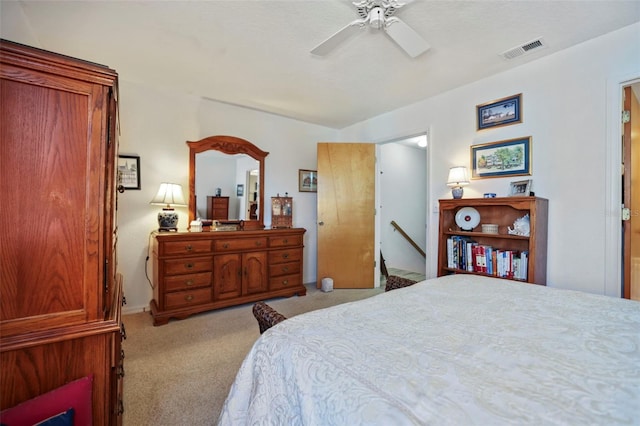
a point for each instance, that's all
(378, 14)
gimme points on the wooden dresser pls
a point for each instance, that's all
(217, 208)
(201, 271)
(60, 309)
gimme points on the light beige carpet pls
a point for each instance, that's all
(180, 373)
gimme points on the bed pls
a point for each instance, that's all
(455, 350)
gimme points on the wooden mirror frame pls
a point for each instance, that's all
(227, 145)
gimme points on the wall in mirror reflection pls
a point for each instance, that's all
(216, 170)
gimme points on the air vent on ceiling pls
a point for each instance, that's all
(528, 47)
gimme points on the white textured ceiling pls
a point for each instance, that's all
(256, 53)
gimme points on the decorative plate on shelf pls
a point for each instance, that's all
(467, 218)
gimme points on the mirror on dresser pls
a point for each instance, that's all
(236, 167)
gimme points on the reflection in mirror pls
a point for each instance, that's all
(226, 180)
(219, 175)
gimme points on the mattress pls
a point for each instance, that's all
(455, 350)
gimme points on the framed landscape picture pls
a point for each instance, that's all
(501, 112)
(503, 158)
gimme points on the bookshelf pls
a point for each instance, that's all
(462, 251)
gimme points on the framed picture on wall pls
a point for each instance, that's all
(510, 157)
(129, 171)
(501, 112)
(307, 180)
(240, 190)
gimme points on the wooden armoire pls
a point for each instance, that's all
(60, 293)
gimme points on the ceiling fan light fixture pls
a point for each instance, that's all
(378, 15)
(376, 18)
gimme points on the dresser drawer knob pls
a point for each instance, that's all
(285, 256)
(285, 269)
(225, 245)
(285, 241)
(285, 282)
(188, 247)
(188, 265)
(188, 298)
(258, 243)
(189, 283)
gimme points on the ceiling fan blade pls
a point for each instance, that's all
(406, 37)
(333, 41)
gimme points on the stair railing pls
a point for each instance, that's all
(408, 238)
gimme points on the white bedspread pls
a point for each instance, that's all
(456, 350)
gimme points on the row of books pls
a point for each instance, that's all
(468, 255)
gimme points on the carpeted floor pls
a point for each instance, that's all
(180, 373)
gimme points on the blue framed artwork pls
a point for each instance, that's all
(501, 112)
(510, 157)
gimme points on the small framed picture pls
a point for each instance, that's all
(501, 112)
(129, 171)
(510, 157)
(521, 188)
(307, 180)
(240, 190)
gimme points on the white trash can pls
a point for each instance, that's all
(327, 284)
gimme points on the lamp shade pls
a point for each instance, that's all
(169, 195)
(458, 176)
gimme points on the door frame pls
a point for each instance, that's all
(430, 267)
(613, 185)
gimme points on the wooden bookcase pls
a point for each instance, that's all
(503, 212)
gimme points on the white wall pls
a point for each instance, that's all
(154, 125)
(564, 110)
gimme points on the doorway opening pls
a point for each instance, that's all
(402, 206)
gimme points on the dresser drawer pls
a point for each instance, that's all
(278, 269)
(284, 256)
(285, 281)
(187, 298)
(173, 248)
(285, 241)
(188, 281)
(237, 244)
(188, 266)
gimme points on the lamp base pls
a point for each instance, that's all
(457, 192)
(167, 220)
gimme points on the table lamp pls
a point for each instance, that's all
(458, 177)
(169, 195)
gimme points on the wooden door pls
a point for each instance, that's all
(631, 197)
(346, 213)
(53, 166)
